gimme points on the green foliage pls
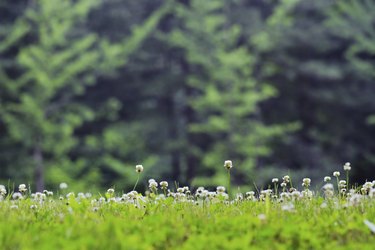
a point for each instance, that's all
(59, 59)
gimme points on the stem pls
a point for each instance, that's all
(229, 191)
(347, 180)
(338, 186)
(136, 183)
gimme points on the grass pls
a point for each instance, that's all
(189, 220)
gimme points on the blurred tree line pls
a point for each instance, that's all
(89, 88)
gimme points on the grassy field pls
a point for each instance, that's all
(278, 218)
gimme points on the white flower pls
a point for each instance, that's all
(17, 196)
(327, 179)
(347, 166)
(306, 182)
(283, 184)
(22, 188)
(63, 185)
(110, 191)
(139, 168)
(220, 189)
(3, 190)
(180, 190)
(336, 173)
(275, 180)
(153, 185)
(286, 179)
(164, 185)
(228, 164)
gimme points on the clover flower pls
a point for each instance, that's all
(139, 168)
(3, 190)
(163, 185)
(286, 179)
(275, 180)
(336, 173)
(347, 166)
(22, 188)
(63, 185)
(220, 189)
(17, 196)
(327, 179)
(228, 164)
(306, 182)
(283, 184)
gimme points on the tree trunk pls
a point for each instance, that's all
(39, 167)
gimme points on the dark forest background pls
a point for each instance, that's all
(90, 88)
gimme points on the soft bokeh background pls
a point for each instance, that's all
(90, 88)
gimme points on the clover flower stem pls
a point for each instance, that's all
(338, 185)
(136, 183)
(347, 179)
(275, 187)
(229, 191)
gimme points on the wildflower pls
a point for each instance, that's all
(22, 188)
(347, 166)
(17, 196)
(327, 179)
(275, 180)
(163, 185)
(220, 189)
(33, 207)
(288, 207)
(152, 184)
(336, 173)
(342, 183)
(306, 182)
(63, 185)
(286, 179)
(283, 184)
(180, 190)
(228, 164)
(139, 168)
(3, 190)
(110, 191)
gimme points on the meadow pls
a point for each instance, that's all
(337, 216)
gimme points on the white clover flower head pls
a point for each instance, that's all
(139, 168)
(307, 194)
(306, 182)
(22, 188)
(275, 180)
(327, 179)
(288, 207)
(151, 180)
(63, 185)
(33, 207)
(368, 185)
(164, 185)
(347, 166)
(283, 184)
(110, 191)
(250, 193)
(153, 185)
(328, 186)
(3, 190)
(228, 164)
(220, 189)
(286, 179)
(17, 196)
(336, 174)
(342, 183)
(180, 190)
